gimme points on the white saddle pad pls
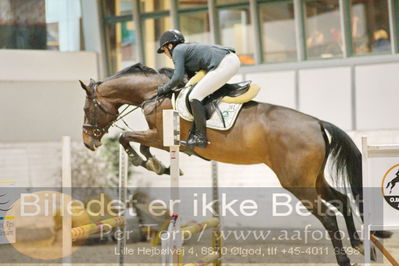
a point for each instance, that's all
(229, 111)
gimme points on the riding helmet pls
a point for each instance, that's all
(170, 36)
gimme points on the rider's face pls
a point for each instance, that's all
(166, 51)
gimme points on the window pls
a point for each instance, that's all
(218, 2)
(153, 5)
(323, 30)
(195, 27)
(40, 24)
(117, 7)
(278, 31)
(192, 3)
(236, 32)
(370, 26)
(120, 34)
(122, 45)
(153, 28)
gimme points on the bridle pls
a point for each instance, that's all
(95, 130)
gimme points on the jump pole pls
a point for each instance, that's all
(171, 240)
(216, 234)
(214, 223)
(171, 139)
(82, 232)
(70, 234)
(66, 196)
(122, 194)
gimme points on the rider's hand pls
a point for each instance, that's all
(162, 91)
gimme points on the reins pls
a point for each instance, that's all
(157, 98)
(95, 130)
(121, 116)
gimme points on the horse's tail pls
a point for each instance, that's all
(346, 160)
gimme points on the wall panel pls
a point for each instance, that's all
(326, 94)
(377, 96)
(276, 87)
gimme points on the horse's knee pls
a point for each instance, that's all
(123, 138)
(145, 150)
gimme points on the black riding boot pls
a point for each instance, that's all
(199, 137)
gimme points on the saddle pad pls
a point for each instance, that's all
(229, 111)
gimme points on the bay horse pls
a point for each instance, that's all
(294, 145)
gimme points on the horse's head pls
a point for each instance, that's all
(99, 116)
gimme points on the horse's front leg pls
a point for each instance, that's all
(133, 155)
(152, 163)
(146, 139)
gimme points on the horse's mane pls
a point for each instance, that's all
(140, 69)
(136, 68)
(167, 71)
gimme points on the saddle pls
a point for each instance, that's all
(211, 102)
(235, 93)
(222, 107)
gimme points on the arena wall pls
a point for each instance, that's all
(41, 99)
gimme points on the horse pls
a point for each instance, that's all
(296, 146)
(393, 182)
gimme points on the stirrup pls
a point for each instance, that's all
(196, 141)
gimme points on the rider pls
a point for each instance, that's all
(220, 63)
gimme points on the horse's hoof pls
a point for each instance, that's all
(359, 247)
(137, 161)
(382, 234)
(344, 263)
(167, 171)
(155, 165)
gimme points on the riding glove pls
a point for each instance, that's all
(161, 90)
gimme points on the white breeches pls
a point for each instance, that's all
(216, 78)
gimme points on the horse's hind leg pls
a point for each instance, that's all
(322, 212)
(341, 202)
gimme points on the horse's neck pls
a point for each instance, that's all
(133, 89)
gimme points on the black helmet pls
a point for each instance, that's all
(170, 36)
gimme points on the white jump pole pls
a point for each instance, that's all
(171, 139)
(66, 187)
(217, 241)
(122, 194)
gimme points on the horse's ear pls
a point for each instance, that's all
(84, 87)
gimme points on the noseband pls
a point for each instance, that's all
(95, 130)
